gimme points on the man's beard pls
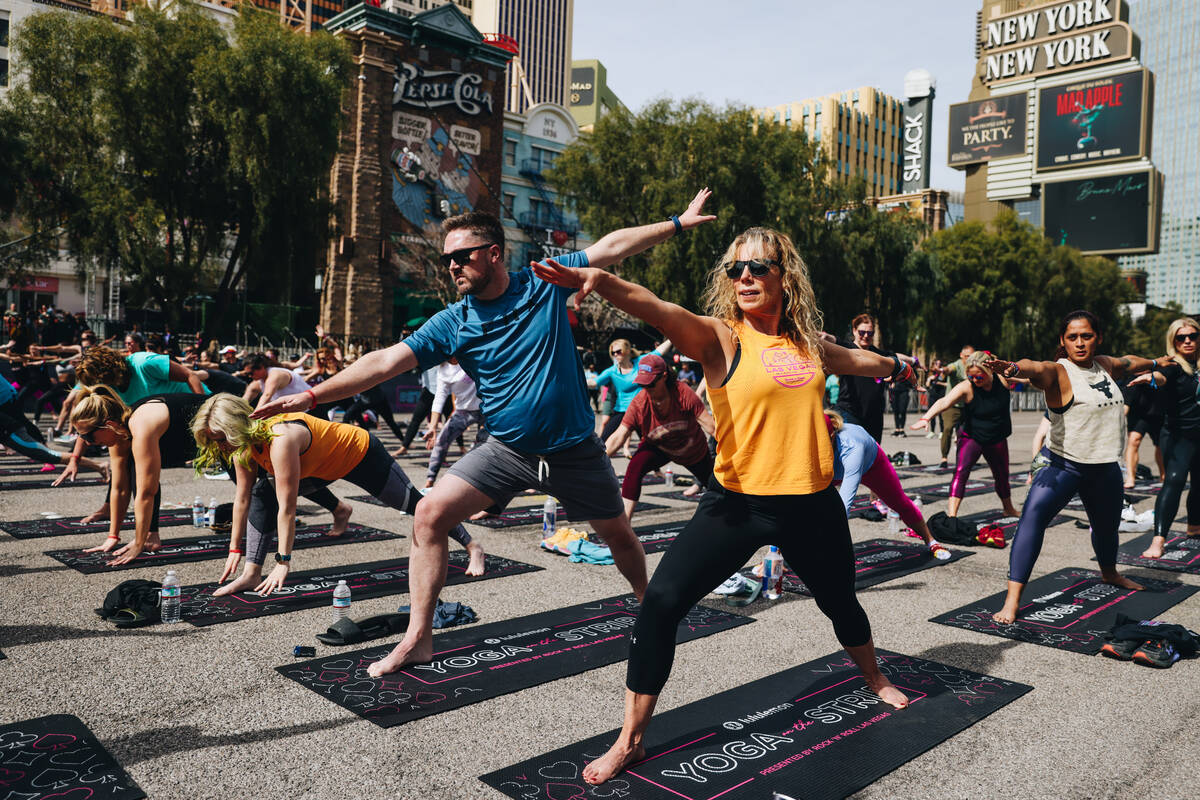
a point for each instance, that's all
(474, 285)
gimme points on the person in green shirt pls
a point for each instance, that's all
(956, 373)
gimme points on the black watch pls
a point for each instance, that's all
(280, 558)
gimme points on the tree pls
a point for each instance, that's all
(1149, 335)
(170, 152)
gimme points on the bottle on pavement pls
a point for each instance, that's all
(549, 517)
(197, 512)
(169, 598)
(773, 574)
(341, 601)
(210, 517)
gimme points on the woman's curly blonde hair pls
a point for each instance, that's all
(104, 366)
(800, 320)
(231, 416)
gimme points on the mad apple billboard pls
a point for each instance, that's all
(1109, 215)
(1094, 121)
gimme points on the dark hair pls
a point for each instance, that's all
(1092, 320)
(860, 319)
(480, 223)
(137, 337)
(262, 361)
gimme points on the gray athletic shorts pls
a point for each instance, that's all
(580, 477)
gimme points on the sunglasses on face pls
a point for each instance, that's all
(460, 256)
(757, 268)
(865, 333)
(977, 378)
(616, 352)
(1187, 337)
(89, 437)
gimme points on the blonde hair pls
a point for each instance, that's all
(978, 360)
(231, 416)
(800, 320)
(630, 353)
(1175, 327)
(96, 406)
(838, 421)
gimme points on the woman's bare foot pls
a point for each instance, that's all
(153, 543)
(1006, 615)
(97, 515)
(1117, 579)
(693, 490)
(341, 518)
(476, 565)
(403, 653)
(1010, 510)
(612, 763)
(482, 515)
(1128, 484)
(887, 692)
(242, 584)
(400, 451)
(109, 545)
(1155, 550)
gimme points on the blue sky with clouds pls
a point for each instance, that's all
(766, 52)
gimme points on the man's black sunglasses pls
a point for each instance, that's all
(461, 255)
(757, 268)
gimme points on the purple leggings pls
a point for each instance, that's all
(881, 479)
(969, 452)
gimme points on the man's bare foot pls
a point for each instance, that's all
(109, 545)
(1117, 579)
(887, 692)
(482, 515)
(1010, 510)
(476, 566)
(97, 515)
(1155, 550)
(341, 518)
(402, 654)
(612, 763)
(693, 490)
(242, 584)
(400, 451)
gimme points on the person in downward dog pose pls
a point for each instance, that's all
(772, 481)
(1084, 450)
(297, 450)
(986, 426)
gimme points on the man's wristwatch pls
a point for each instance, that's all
(280, 558)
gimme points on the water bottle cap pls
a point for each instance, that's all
(170, 572)
(341, 583)
(774, 549)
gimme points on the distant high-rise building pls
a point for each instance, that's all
(1168, 29)
(542, 29)
(590, 96)
(861, 129)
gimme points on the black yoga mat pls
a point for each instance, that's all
(1076, 503)
(314, 588)
(658, 537)
(677, 494)
(990, 516)
(65, 526)
(813, 731)
(532, 515)
(47, 483)
(924, 469)
(28, 468)
(876, 561)
(488, 661)
(859, 507)
(58, 757)
(1070, 609)
(207, 548)
(941, 491)
(1180, 554)
(649, 479)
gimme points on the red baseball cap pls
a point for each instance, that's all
(649, 367)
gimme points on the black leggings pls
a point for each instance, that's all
(610, 427)
(726, 530)
(375, 400)
(1181, 456)
(54, 398)
(17, 432)
(900, 409)
(377, 473)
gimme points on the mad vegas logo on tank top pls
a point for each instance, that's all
(788, 368)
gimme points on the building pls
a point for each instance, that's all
(590, 96)
(862, 130)
(542, 29)
(1168, 29)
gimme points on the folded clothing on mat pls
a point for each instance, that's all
(447, 615)
(1126, 628)
(584, 552)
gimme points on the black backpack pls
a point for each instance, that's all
(951, 530)
(132, 604)
(904, 459)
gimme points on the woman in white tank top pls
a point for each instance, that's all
(1084, 448)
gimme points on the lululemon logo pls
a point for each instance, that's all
(787, 367)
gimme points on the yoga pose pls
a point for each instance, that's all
(302, 453)
(1087, 436)
(774, 466)
(452, 381)
(22, 436)
(986, 426)
(141, 441)
(1143, 415)
(673, 424)
(1180, 384)
(512, 335)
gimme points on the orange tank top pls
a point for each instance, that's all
(771, 435)
(335, 449)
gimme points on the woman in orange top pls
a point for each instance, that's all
(774, 465)
(302, 453)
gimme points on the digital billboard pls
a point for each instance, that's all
(1094, 121)
(985, 129)
(1109, 215)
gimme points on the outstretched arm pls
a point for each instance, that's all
(845, 361)
(371, 370)
(959, 392)
(620, 244)
(1121, 366)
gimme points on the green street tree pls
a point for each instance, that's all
(179, 155)
(1149, 336)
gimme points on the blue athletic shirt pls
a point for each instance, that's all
(7, 392)
(520, 352)
(855, 453)
(623, 384)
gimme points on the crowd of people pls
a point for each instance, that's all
(778, 421)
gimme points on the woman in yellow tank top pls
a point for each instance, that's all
(302, 453)
(772, 482)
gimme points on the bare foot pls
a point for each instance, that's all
(693, 490)
(1006, 615)
(1010, 510)
(1117, 579)
(476, 566)
(153, 543)
(400, 451)
(402, 654)
(612, 763)
(109, 545)
(1129, 485)
(341, 518)
(887, 692)
(97, 515)
(103, 470)
(482, 515)
(1155, 550)
(1193, 531)
(428, 483)
(242, 584)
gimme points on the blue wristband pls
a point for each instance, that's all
(678, 226)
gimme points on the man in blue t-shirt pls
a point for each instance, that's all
(511, 334)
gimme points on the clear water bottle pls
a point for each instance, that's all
(341, 601)
(920, 506)
(197, 512)
(893, 521)
(773, 574)
(549, 517)
(169, 598)
(210, 516)
(668, 477)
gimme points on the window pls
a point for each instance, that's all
(3, 72)
(510, 202)
(4, 31)
(510, 153)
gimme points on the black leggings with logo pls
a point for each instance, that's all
(811, 532)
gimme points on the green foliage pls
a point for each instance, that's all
(1149, 336)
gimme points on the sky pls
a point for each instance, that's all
(767, 52)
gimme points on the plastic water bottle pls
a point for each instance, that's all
(668, 477)
(893, 521)
(210, 518)
(773, 574)
(197, 512)
(549, 517)
(169, 598)
(341, 601)
(920, 506)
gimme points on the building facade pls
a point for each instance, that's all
(590, 96)
(862, 130)
(1170, 34)
(542, 30)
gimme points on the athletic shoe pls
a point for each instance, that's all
(66, 438)
(734, 584)
(1121, 650)
(880, 506)
(930, 435)
(1156, 653)
(1128, 514)
(992, 536)
(1135, 526)
(939, 551)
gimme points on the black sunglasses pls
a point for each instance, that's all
(461, 255)
(757, 268)
(87, 437)
(1187, 337)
